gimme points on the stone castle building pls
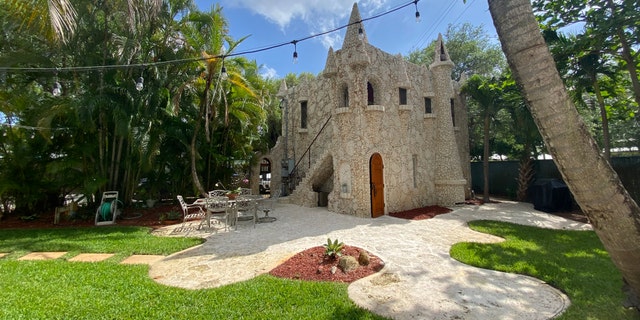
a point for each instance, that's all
(372, 133)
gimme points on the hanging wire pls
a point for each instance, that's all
(189, 60)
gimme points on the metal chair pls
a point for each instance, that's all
(192, 211)
(246, 210)
(218, 193)
(220, 210)
(266, 206)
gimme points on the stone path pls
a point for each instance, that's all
(90, 257)
(420, 280)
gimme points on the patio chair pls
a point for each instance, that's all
(192, 211)
(218, 193)
(220, 210)
(246, 210)
(266, 206)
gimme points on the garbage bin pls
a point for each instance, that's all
(551, 195)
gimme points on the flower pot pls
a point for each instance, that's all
(232, 196)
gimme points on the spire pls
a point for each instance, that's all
(441, 54)
(282, 92)
(355, 30)
(330, 68)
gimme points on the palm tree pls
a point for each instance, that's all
(487, 94)
(615, 216)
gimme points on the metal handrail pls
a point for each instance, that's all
(295, 167)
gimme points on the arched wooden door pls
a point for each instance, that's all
(376, 181)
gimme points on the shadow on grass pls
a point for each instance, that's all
(575, 262)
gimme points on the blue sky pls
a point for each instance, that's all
(270, 22)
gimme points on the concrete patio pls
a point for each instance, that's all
(420, 279)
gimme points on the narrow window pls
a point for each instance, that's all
(370, 95)
(345, 97)
(453, 113)
(427, 105)
(402, 94)
(414, 158)
(303, 114)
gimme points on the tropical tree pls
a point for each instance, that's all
(486, 92)
(613, 213)
(471, 50)
(610, 25)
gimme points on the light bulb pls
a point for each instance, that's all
(140, 84)
(223, 73)
(295, 57)
(360, 33)
(417, 16)
(57, 89)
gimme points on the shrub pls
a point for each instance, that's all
(333, 249)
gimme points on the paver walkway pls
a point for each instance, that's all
(90, 257)
(420, 280)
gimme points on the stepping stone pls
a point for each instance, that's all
(91, 257)
(42, 256)
(141, 259)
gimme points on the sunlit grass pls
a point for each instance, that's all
(573, 261)
(59, 289)
(122, 240)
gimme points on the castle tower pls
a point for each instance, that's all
(374, 133)
(449, 181)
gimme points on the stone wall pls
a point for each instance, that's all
(420, 150)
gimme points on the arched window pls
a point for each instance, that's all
(370, 94)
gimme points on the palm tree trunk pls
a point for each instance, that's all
(606, 140)
(485, 157)
(615, 216)
(194, 167)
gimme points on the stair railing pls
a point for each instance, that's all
(294, 171)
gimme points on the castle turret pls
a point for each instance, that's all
(449, 181)
(356, 39)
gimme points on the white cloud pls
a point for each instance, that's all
(268, 72)
(318, 15)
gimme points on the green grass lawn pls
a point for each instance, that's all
(573, 261)
(58, 289)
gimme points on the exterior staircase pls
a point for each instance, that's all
(305, 193)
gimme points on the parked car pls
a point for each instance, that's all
(265, 186)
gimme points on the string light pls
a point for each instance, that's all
(140, 84)
(57, 89)
(360, 33)
(223, 72)
(222, 55)
(295, 51)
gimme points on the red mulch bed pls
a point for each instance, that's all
(421, 213)
(313, 265)
(130, 217)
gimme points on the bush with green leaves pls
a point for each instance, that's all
(333, 249)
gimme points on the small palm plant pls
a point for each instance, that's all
(333, 249)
